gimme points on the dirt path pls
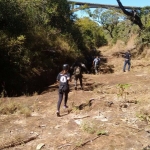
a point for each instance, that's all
(99, 118)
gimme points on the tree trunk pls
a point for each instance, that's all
(133, 15)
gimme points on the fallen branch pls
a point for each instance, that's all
(82, 117)
(64, 146)
(17, 142)
(91, 140)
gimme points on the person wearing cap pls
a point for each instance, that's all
(63, 78)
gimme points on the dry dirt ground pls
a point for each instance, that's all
(111, 113)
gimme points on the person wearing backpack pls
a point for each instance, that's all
(96, 63)
(77, 72)
(63, 78)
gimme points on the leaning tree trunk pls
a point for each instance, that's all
(133, 16)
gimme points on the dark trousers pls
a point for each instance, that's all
(80, 80)
(127, 62)
(61, 98)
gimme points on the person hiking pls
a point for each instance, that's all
(77, 72)
(127, 61)
(63, 78)
(96, 63)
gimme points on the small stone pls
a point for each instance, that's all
(39, 146)
(31, 132)
(43, 125)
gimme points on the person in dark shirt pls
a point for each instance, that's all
(78, 69)
(127, 61)
(63, 78)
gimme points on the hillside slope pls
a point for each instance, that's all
(111, 113)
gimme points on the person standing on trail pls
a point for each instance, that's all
(78, 73)
(63, 78)
(96, 63)
(127, 61)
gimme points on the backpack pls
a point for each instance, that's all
(64, 85)
(77, 71)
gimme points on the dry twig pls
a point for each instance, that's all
(64, 146)
(91, 140)
(82, 117)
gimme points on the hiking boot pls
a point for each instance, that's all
(75, 88)
(58, 114)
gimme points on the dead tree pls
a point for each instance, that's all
(132, 15)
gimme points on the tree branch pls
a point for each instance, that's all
(133, 15)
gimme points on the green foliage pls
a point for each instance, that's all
(117, 26)
(79, 143)
(122, 90)
(92, 33)
(34, 35)
(145, 34)
(107, 18)
(88, 127)
(102, 132)
(91, 128)
(37, 37)
(144, 115)
(12, 18)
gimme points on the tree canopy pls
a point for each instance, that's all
(37, 37)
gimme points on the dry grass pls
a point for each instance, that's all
(144, 114)
(92, 127)
(11, 140)
(8, 107)
(88, 127)
(17, 139)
